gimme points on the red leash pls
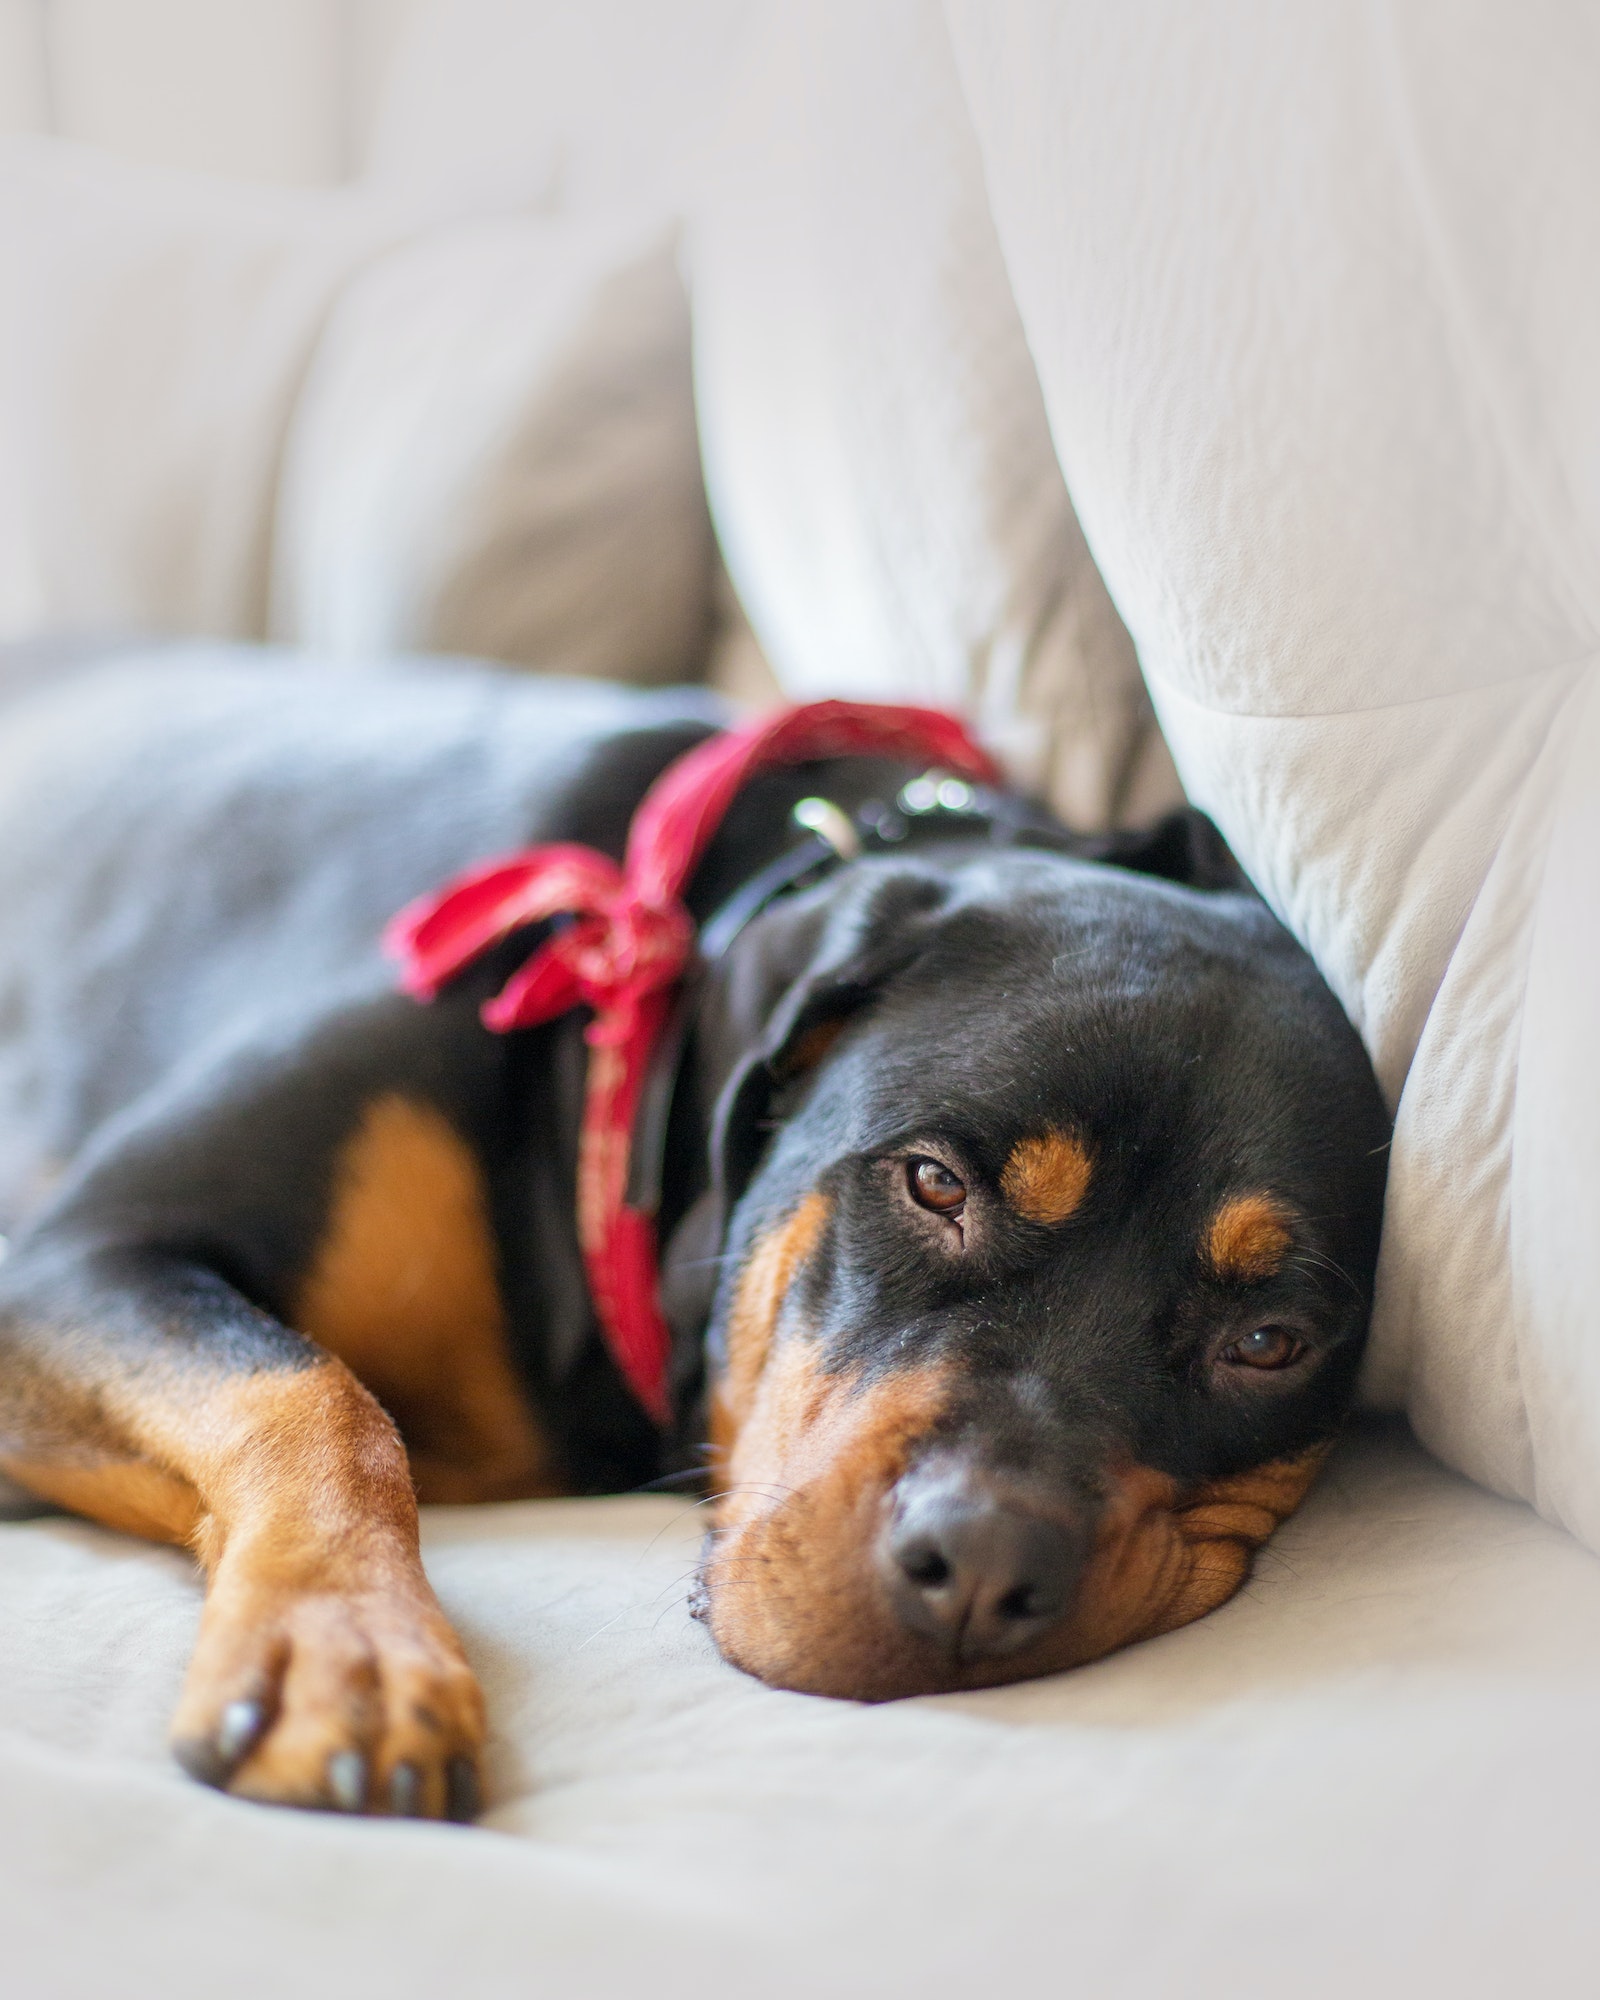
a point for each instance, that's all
(623, 957)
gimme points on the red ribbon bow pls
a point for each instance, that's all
(622, 956)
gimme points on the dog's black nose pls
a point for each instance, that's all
(970, 1567)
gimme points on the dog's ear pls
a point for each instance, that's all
(788, 988)
(1181, 846)
(768, 1014)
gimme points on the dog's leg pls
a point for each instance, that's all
(139, 1388)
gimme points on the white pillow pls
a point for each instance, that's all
(495, 453)
(154, 329)
(483, 429)
(876, 447)
(1315, 300)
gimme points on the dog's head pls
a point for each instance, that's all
(1052, 1196)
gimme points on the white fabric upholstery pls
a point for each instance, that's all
(154, 327)
(397, 425)
(264, 89)
(576, 103)
(495, 453)
(1315, 300)
(1374, 1773)
(876, 446)
(1310, 295)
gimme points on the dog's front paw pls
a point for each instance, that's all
(353, 1696)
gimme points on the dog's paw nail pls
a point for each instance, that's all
(461, 1789)
(236, 1733)
(405, 1791)
(347, 1780)
(198, 1756)
(215, 1757)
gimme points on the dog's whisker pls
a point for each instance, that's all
(683, 1603)
(665, 1529)
(670, 1479)
(600, 1631)
(1315, 1260)
(710, 1500)
(766, 1492)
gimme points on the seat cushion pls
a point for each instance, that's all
(1373, 1772)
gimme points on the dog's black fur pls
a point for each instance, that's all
(196, 860)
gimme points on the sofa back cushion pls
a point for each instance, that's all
(876, 446)
(494, 453)
(1315, 300)
(351, 417)
(154, 330)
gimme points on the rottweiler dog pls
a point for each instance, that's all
(1018, 1196)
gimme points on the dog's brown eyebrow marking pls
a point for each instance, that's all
(1046, 1178)
(1248, 1237)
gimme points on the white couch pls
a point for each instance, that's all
(1301, 304)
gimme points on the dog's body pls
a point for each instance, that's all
(1027, 1325)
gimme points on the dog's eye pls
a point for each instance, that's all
(1266, 1347)
(933, 1186)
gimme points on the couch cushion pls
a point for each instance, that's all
(1315, 299)
(398, 423)
(1373, 1772)
(494, 453)
(154, 327)
(573, 103)
(876, 446)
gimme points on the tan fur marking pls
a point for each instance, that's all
(292, 1487)
(404, 1289)
(1164, 1559)
(813, 1045)
(1046, 1178)
(793, 1594)
(763, 1285)
(202, 1459)
(1248, 1238)
(123, 1493)
(1248, 1506)
(318, 1603)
